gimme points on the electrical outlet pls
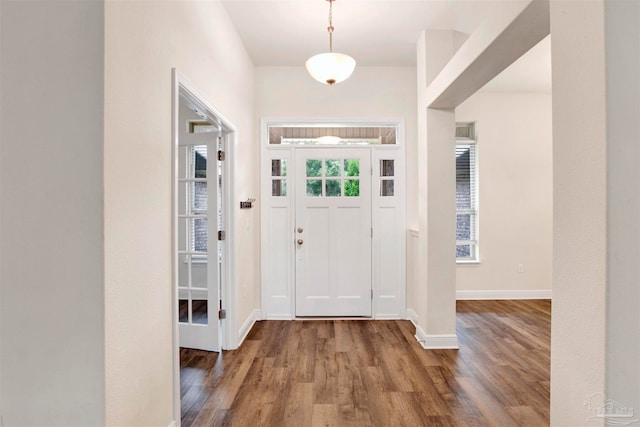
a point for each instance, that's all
(520, 268)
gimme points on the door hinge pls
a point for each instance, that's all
(222, 235)
(221, 155)
(222, 314)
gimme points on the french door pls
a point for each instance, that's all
(198, 254)
(333, 232)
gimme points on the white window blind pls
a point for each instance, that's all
(466, 193)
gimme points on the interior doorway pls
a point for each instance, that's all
(202, 227)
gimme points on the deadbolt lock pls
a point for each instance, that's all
(300, 229)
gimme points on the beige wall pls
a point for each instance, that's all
(51, 312)
(578, 320)
(144, 40)
(515, 199)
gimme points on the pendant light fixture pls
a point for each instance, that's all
(330, 68)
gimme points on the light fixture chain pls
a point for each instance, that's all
(330, 28)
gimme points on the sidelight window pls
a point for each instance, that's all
(466, 193)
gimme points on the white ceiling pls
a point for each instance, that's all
(374, 32)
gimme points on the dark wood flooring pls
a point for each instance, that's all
(374, 373)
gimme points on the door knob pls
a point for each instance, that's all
(300, 230)
(300, 241)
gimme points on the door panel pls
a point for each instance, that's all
(198, 248)
(333, 232)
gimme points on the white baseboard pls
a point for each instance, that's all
(387, 317)
(247, 325)
(432, 342)
(412, 316)
(436, 342)
(503, 295)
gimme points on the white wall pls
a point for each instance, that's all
(144, 40)
(578, 320)
(371, 92)
(516, 206)
(622, 20)
(52, 357)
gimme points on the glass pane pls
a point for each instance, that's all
(351, 187)
(386, 188)
(352, 167)
(279, 167)
(199, 272)
(279, 187)
(199, 311)
(183, 232)
(199, 197)
(314, 167)
(463, 227)
(333, 187)
(386, 167)
(463, 251)
(200, 161)
(314, 187)
(199, 234)
(183, 308)
(183, 271)
(333, 167)
(463, 177)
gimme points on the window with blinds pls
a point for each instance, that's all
(466, 193)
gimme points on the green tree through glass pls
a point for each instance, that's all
(352, 186)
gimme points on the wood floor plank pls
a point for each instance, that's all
(366, 373)
(324, 415)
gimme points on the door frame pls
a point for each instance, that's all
(282, 306)
(228, 330)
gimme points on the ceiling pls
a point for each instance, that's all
(374, 32)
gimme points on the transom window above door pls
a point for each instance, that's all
(333, 177)
(322, 135)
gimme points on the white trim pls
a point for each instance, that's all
(173, 424)
(412, 316)
(228, 292)
(387, 317)
(247, 326)
(436, 342)
(504, 294)
(432, 342)
(175, 101)
(463, 261)
(280, 317)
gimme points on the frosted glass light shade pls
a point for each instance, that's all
(330, 68)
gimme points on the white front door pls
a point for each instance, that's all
(198, 246)
(333, 232)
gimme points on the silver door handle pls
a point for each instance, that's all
(300, 241)
(300, 230)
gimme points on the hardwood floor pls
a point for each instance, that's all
(374, 373)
